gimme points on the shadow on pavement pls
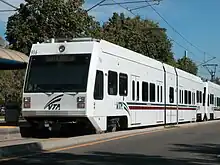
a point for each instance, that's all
(103, 158)
(207, 153)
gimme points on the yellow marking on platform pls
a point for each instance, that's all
(7, 127)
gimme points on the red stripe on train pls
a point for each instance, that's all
(159, 108)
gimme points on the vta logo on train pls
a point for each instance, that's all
(52, 104)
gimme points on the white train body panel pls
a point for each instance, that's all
(67, 100)
(213, 100)
(189, 84)
(132, 64)
(101, 81)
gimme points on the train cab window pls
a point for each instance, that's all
(123, 84)
(152, 92)
(112, 83)
(144, 91)
(161, 94)
(99, 85)
(171, 94)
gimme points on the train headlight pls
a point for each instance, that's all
(27, 102)
(80, 99)
(80, 102)
(62, 48)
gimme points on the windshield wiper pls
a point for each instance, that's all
(71, 93)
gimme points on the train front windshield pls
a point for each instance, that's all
(57, 73)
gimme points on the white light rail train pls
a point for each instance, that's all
(105, 87)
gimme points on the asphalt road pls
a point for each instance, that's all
(198, 145)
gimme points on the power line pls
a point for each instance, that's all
(1, 11)
(97, 4)
(128, 2)
(129, 10)
(7, 3)
(213, 57)
(174, 28)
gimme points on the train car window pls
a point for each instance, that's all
(190, 97)
(112, 83)
(161, 94)
(138, 91)
(99, 85)
(123, 84)
(152, 92)
(171, 95)
(185, 97)
(193, 98)
(144, 91)
(200, 98)
(204, 96)
(133, 90)
(158, 93)
(218, 101)
(208, 99)
(197, 97)
(211, 99)
(180, 96)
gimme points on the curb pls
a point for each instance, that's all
(37, 147)
(6, 131)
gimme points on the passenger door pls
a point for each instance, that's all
(135, 95)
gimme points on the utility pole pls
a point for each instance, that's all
(211, 71)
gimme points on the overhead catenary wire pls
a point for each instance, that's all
(128, 2)
(1, 11)
(9, 4)
(129, 10)
(200, 50)
(97, 4)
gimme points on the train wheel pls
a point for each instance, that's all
(112, 128)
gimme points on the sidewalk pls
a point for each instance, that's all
(3, 123)
(10, 131)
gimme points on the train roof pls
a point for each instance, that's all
(87, 45)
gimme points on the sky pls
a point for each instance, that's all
(195, 20)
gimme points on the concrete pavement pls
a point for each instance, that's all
(193, 145)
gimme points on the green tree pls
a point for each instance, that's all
(142, 36)
(11, 83)
(187, 65)
(37, 21)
